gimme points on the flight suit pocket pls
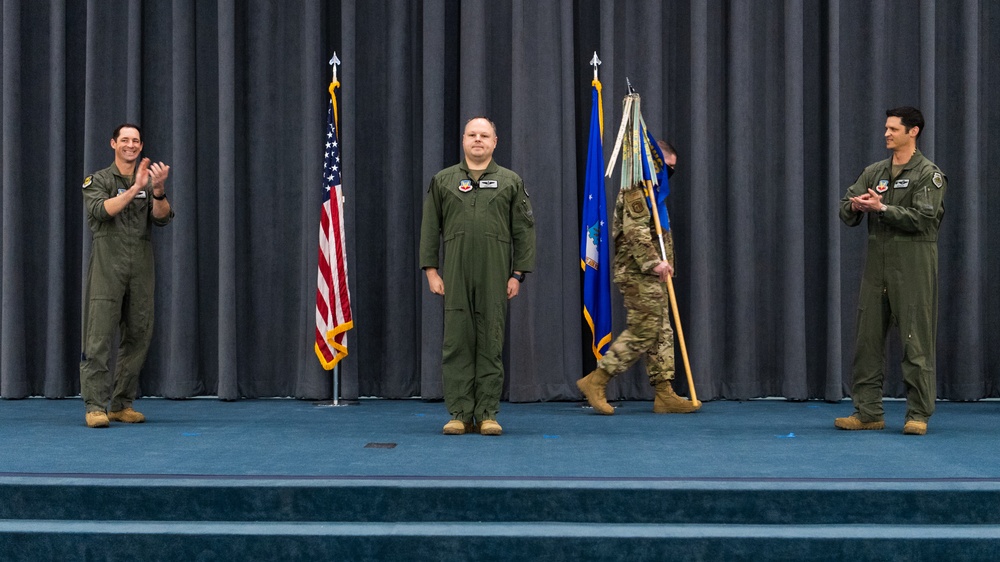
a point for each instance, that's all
(503, 238)
(917, 332)
(496, 324)
(923, 203)
(103, 316)
(524, 208)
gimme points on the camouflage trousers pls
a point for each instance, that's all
(648, 331)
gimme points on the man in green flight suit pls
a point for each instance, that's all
(903, 197)
(482, 213)
(122, 203)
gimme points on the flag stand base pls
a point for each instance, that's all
(336, 403)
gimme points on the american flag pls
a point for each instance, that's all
(333, 298)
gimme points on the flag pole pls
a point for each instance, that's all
(648, 184)
(334, 83)
(334, 63)
(595, 62)
(673, 297)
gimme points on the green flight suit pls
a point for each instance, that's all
(119, 291)
(489, 232)
(637, 252)
(900, 283)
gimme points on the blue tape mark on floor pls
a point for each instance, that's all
(789, 436)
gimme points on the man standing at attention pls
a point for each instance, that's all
(641, 274)
(122, 203)
(903, 198)
(482, 213)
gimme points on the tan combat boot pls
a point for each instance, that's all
(854, 423)
(126, 415)
(914, 427)
(97, 419)
(667, 401)
(456, 427)
(592, 386)
(490, 427)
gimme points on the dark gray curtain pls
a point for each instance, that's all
(775, 107)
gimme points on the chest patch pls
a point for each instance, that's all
(487, 184)
(883, 186)
(139, 195)
(465, 186)
(901, 184)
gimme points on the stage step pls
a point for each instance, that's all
(170, 541)
(549, 519)
(655, 502)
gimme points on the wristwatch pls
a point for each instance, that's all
(160, 198)
(882, 210)
(518, 276)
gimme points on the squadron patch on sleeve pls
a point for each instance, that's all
(938, 180)
(87, 181)
(635, 202)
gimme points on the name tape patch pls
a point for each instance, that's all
(140, 195)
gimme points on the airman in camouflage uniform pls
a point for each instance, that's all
(640, 274)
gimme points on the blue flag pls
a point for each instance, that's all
(659, 169)
(594, 246)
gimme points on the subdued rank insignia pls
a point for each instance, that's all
(883, 186)
(938, 179)
(901, 184)
(87, 181)
(465, 186)
(487, 184)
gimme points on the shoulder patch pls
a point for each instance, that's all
(635, 203)
(937, 179)
(87, 181)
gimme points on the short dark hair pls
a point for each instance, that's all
(910, 116)
(488, 120)
(667, 148)
(118, 130)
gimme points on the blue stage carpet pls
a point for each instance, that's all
(726, 441)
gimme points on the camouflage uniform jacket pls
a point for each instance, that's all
(637, 249)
